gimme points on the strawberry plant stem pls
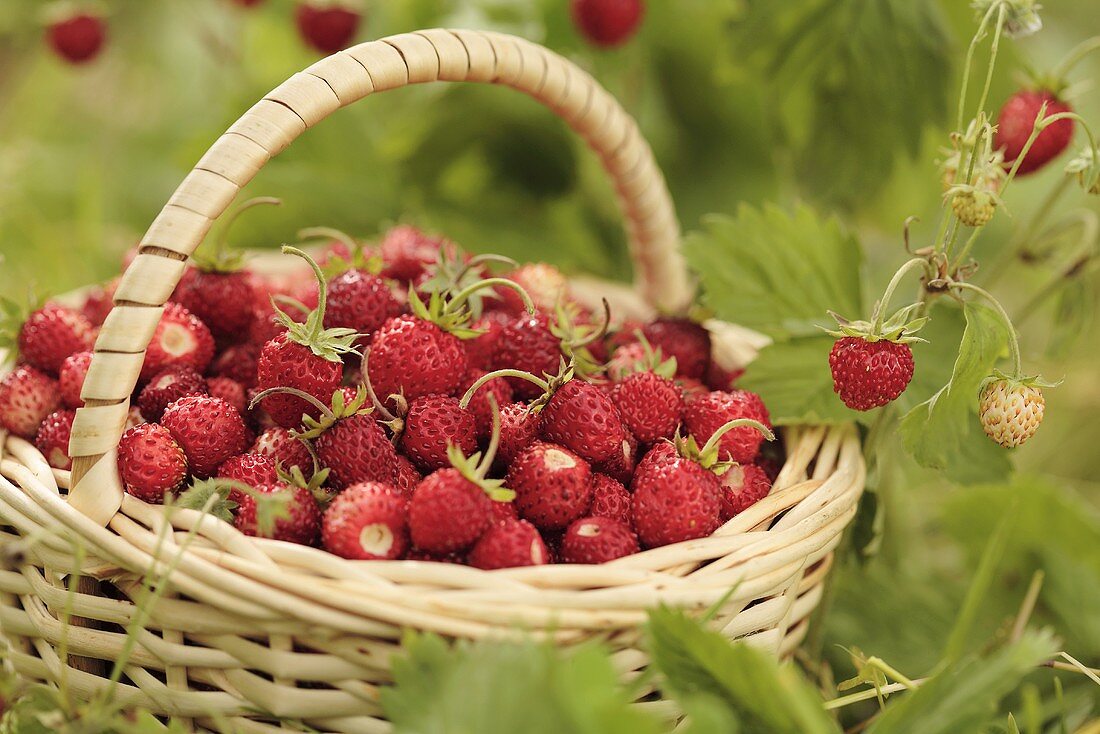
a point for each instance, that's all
(1042, 122)
(469, 290)
(223, 237)
(735, 423)
(993, 48)
(312, 233)
(469, 395)
(1013, 341)
(977, 38)
(1074, 56)
(880, 308)
(965, 250)
(1042, 213)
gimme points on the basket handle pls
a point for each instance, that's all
(299, 103)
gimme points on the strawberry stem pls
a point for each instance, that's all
(322, 284)
(878, 316)
(481, 260)
(311, 233)
(325, 410)
(494, 439)
(221, 243)
(479, 382)
(463, 295)
(1013, 340)
(974, 41)
(1075, 55)
(993, 55)
(735, 423)
(1042, 122)
(599, 333)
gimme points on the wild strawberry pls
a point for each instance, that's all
(150, 462)
(208, 429)
(230, 391)
(283, 448)
(479, 403)
(869, 374)
(691, 388)
(449, 511)
(509, 544)
(544, 283)
(249, 468)
(743, 485)
(77, 37)
(360, 301)
(1016, 122)
(650, 405)
(582, 418)
(624, 360)
(301, 523)
(98, 303)
(367, 521)
(504, 511)
(27, 396)
(683, 340)
(609, 499)
(52, 440)
(433, 424)
(168, 386)
(238, 362)
(519, 428)
(621, 465)
(406, 252)
(53, 333)
(222, 299)
(706, 414)
(406, 477)
(481, 349)
(180, 339)
(1011, 410)
(722, 378)
(597, 540)
(307, 358)
(553, 485)
(327, 27)
(528, 344)
(607, 23)
(972, 206)
(71, 379)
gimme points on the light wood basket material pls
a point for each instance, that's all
(255, 632)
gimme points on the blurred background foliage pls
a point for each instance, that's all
(841, 104)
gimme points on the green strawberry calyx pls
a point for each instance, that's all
(329, 344)
(475, 468)
(576, 337)
(222, 258)
(707, 455)
(652, 360)
(212, 496)
(451, 310)
(901, 326)
(330, 414)
(549, 384)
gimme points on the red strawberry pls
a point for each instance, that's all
(527, 344)
(302, 524)
(433, 423)
(480, 350)
(610, 499)
(413, 356)
(691, 388)
(249, 468)
(870, 374)
(621, 466)
(168, 386)
(368, 521)
(98, 303)
(675, 498)
(282, 448)
(228, 390)
(208, 429)
(327, 28)
(27, 396)
(597, 540)
(52, 440)
(179, 339)
(77, 38)
(624, 359)
(360, 301)
(650, 405)
(743, 485)
(607, 23)
(356, 450)
(53, 333)
(448, 512)
(406, 477)
(705, 414)
(582, 418)
(221, 299)
(407, 251)
(307, 357)
(152, 465)
(721, 378)
(1016, 122)
(239, 362)
(479, 403)
(684, 340)
(519, 428)
(544, 283)
(503, 511)
(553, 485)
(509, 544)
(71, 378)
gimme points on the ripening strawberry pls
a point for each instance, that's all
(407, 251)
(406, 476)
(360, 301)
(610, 499)
(52, 334)
(52, 440)
(622, 463)
(351, 444)
(545, 284)
(240, 362)
(367, 521)
(150, 462)
(1016, 122)
(869, 374)
(553, 485)
(283, 448)
(519, 428)
(509, 544)
(27, 396)
(327, 27)
(1011, 411)
(208, 429)
(597, 540)
(166, 387)
(973, 207)
(230, 391)
(479, 403)
(607, 23)
(651, 406)
(180, 339)
(581, 417)
(220, 295)
(249, 468)
(675, 498)
(448, 512)
(683, 340)
(415, 357)
(71, 379)
(301, 525)
(743, 485)
(706, 414)
(78, 37)
(528, 344)
(98, 302)
(433, 423)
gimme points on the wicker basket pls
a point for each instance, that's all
(253, 631)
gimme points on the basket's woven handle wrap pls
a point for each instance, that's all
(287, 111)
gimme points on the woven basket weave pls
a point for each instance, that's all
(253, 631)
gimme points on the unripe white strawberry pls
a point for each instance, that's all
(974, 208)
(1011, 411)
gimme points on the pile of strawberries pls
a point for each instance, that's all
(400, 402)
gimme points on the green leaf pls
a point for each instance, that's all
(201, 492)
(963, 696)
(765, 697)
(794, 379)
(504, 687)
(855, 82)
(943, 432)
(776, 272)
